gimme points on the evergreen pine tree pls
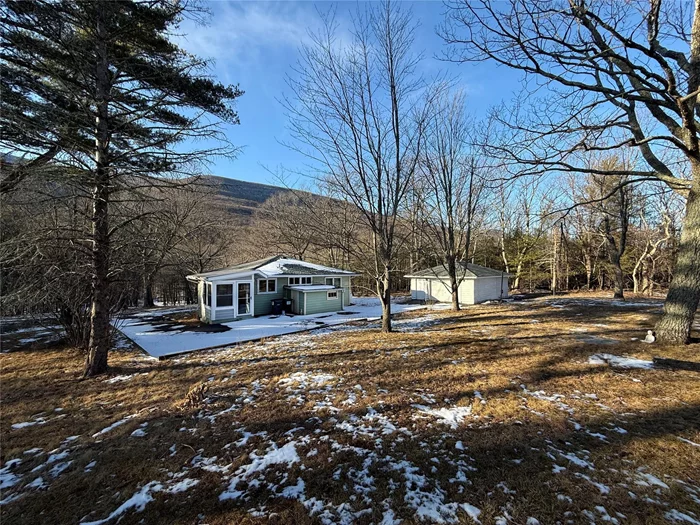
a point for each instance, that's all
(114, 96)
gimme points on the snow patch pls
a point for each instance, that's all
(305, 380)
(285, 455)
(452, 417)
(471, 511)
(121, 378)
(619, 362)
(7, 477)
(646, 479)
(144, 496)
(676, 515)
(114, 425)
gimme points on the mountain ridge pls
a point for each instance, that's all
(240, 198)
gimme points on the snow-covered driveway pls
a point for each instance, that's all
(177, 339)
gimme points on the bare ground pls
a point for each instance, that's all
(491, 413)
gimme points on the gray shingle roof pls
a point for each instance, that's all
(274, 267)
(464, 270)
(301, 269)
(241, 267)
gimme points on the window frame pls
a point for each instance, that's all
(332, 295)
(207, 294)
(267, 286)
(298, 281)
(231, 295)
(333, 281)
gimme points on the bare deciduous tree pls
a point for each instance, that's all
(523, 208)
(611, 75)
(612, 205)
(358, 113)
(450, 187)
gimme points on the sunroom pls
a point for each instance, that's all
(226, 300)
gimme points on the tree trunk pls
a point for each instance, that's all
(148, 295)
(619, 285)
(504, 256)
(189, 296)
(98, 347)
(555, 265)
(589, 270)
(589, 259)
(455, 298)
(647, 284)
(614, 256)
(518, 274)
(684, 293)
(386, 312)
(147, 291)
(384, 292)
(454, 285)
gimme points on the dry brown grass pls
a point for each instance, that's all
(527, 361)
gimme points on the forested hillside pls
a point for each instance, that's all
(238, 197)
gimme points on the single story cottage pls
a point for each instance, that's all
(268, 286)
(478, 284)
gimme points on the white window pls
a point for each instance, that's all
(333, 281)
(267, 285)
(224, 295)
(332, 295)
(207, 294)
(299, 280)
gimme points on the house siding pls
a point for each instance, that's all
(317, 302)
(263, 304)
(227, 317)
(439, 290)
(299, 302)
(344, 284)
(347, 291)
(471, 291)
(489, 289)
(293, 296)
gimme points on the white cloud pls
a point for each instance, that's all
(241, 31)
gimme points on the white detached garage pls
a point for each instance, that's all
(477, 284)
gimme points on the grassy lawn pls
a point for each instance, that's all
(492, 413)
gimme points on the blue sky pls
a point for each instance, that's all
(255, 44)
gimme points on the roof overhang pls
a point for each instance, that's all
(223, 277)
(250, 273)
(466, 277)
(440, 277)
(312, 288)
(283, 275)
